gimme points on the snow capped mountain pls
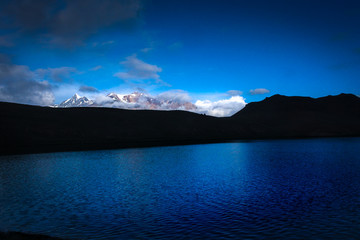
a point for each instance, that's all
(114, 96)
(76, 101)
(134, 97)
(135, 100)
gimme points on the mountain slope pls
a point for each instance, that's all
(281, 116)
(27, 128)
(76, 101)
(135, 100)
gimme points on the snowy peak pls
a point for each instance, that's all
(76, 96)
(114, 96)
(135, 100)
(130, 98)
(133, 97)
(76, 101)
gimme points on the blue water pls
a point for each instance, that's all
(282, 189)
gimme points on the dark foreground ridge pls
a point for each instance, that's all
(25, 236)
(31, 129)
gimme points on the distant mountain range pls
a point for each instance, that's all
(27, 129)
(134, 100)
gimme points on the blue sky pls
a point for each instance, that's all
(51, 49)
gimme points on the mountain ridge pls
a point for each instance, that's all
(28, 129)
(135, 100)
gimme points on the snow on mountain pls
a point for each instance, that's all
(135, 100)
(76, 101)
(115, 97)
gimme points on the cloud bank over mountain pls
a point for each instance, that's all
(221, 108)
(170, 100)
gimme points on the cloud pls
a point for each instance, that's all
(69, 22)
(88, 89)
(145, 50)
(177, 95)
(102, 44)
(221, 108)
(96, 68)
(259, 91)
(18, 84)
(169, 100)
(137, 71)
(4, 58)
(60, 74)
(28, 16)
(234, 92)
(107, 43)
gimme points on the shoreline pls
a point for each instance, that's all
(26, 236)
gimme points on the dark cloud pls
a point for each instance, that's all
(18, 84)
(4, 58)
(69, 22)
(258, 91)
(88, 89)
(234, 92)
(28, 15)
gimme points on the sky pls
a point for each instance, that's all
(209, 51)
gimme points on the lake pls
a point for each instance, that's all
(284, 189)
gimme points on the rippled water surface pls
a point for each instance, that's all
(284, 189)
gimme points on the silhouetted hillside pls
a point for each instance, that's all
(281, 116)
(25, 236)
(28, 129)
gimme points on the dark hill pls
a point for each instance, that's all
(26, 129)
(281, 116)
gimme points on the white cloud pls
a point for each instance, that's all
(137, 71)
(169, 100)
(96, 68)
(178, 95)
(178, 100)
(221, 108)
(259, 91)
